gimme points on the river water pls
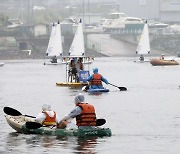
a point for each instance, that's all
(144, 120)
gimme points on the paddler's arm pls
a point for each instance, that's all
(40, 117)
(104, 80)
(76, 111)
(90, 78)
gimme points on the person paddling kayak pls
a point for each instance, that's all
(96, 79)
(83, 112)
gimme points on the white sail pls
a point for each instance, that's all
(55, 41)
(144, 44)
(49, 48)
(77, 46)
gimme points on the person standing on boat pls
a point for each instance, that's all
(96, 79)
(47, 117)
(72, 70)
(79, 67)
(83, 112)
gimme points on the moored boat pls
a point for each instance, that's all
(18, 123)
(120, 21)
(161, 62)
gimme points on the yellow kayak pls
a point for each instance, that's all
(71, 84)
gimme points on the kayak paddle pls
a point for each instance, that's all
(120, 88)
(85, 88)
(35, 125)
(14, 112)
(100, 122)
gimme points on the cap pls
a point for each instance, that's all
(95, 70)
(79, 98)
(46, 107)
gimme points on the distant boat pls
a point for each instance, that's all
(143, 47)
(120, 21)
(54, 48)
(161, 62)
(1, 64)
(77, 49)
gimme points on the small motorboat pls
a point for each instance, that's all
(161, 62)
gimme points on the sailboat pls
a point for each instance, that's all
(143, 47)
(54, 48)
(77, 78)
(77, 49)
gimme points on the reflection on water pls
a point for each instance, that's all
(20, 143)
(86, 145)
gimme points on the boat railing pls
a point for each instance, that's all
(126, 31)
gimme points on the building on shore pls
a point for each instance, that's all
(162, 10)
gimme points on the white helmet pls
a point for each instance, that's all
(46, 107)
(79, 98)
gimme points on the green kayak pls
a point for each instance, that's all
(19, 124)
(97, 131)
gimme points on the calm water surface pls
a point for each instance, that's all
(144, 120)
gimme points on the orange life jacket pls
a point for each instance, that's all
(87, 116)
(96, 79)
(49, 121)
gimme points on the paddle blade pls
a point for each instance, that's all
(33, 125)
(11, 111)
(122, 88)
(85, 88)
(100, 122)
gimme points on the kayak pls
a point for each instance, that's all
(18, 123)
(71, 84)
(160, 62)
(97, 90)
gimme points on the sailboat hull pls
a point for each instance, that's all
(140, 61)
(49, 63)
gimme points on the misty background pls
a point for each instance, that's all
(26, 24)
